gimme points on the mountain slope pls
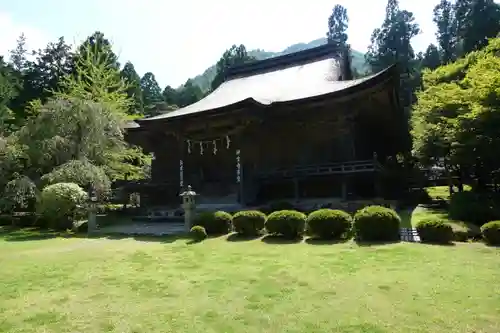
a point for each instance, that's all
(358, 61)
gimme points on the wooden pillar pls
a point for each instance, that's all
(181, 174)
(181, 165)
(344, 188)
(239, 178)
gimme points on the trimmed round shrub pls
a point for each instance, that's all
(329, 224)
(435, 231)
(376, 224)
(215, 223)
(198, 233)
(491, 232)
(249, 223)
(286, 223)
(61, 204)
(477, 208)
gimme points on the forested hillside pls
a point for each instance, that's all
(358, 61)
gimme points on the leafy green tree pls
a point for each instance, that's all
(476, 20)
(85, 121)
(431, 58)
(80, 172)
(96, 78)
(151, 92)
(134, 90)
(338, 22)
(236, 55)
(446, 23)
(8, 91)
(72, 129)
(456, 119)
(42, 76)
(18, 55)
(189, 93)
(103, 50)
(390, 44)
(170, 96)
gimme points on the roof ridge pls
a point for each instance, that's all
(286, 60)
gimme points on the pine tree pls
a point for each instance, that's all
(445, 20)
(151, 92)
(431, 58)
(134, 90)
(18, 55)
(338, 22)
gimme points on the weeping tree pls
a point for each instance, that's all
(82, 173)
(85, 120)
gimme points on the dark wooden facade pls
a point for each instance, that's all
(331, 145)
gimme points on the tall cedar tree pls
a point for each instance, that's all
(151, 93)
(338, 22)
(134, 91)
(431, 58)
(391, 44)
(446, 34)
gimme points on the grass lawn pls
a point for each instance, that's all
(167, 285)
(442, 192)
(421, 213)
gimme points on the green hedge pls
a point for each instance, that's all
(376, 224)
(249, 223)
(286, 223)
(329, 224)
(435, 231)
(477, 208)
(491, 232)
(215, 223)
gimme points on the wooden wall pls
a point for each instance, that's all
(334, 132)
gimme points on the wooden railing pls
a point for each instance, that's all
(323, 169)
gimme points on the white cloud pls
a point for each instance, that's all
(11, 30)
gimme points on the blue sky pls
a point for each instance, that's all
(179, 39)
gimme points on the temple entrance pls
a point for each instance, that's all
(212, 175)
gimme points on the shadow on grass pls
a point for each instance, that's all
(319, 241)
(438, 243)
(235, 237)
(375, 243)
(273, 239)
(15, 234)
(139, 237)
(193, 241)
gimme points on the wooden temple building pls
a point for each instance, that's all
(291, 127)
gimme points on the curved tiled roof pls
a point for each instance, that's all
(299, 76)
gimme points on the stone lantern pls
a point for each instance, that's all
(189, 205)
